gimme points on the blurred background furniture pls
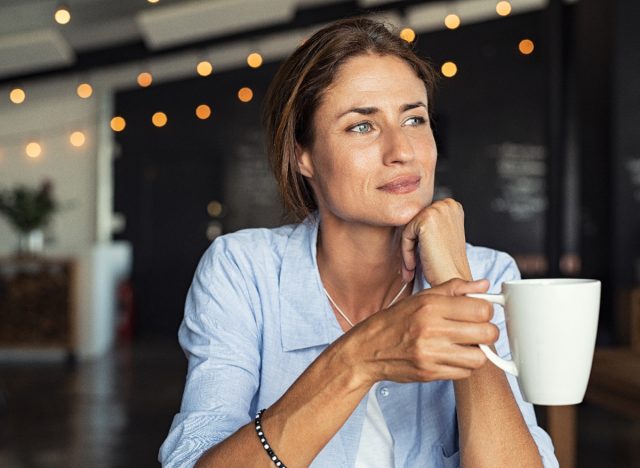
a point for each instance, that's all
(37, 303)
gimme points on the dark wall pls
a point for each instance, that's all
(626, 144)
(166, 177)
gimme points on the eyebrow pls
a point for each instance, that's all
(373, 110)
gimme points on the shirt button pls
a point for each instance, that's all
(384, 391)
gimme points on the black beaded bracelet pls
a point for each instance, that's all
(265, 444)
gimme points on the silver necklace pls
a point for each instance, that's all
(344, 316)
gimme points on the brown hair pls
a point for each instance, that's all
(295, 93)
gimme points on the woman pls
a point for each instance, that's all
(351, 328)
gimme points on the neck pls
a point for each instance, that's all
(359, 265)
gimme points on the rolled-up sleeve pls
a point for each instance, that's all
(506, 270)
(219, 334)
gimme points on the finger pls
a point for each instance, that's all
(459, 287)
(468, 309)
(456, 308)
(465, 357)
(408, 249)
(465, 333)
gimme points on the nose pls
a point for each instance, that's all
(398, 147)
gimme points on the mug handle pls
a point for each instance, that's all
(507, 366)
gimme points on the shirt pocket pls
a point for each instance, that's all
(450, 460)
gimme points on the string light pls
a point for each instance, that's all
(245, 94)
(204, 68)
(77, 139)
(145, 79)
(254, 60)
(159, 119)
(449, 69)
(33, 149)
(118, 123)
(17, 95)
(84, 90)
(408, 34)
(503, 8)
(62, 15)
(526, 46)
(452, 21)
(203, 112)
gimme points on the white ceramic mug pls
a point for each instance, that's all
(552, 325)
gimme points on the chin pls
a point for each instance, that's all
(400, 216)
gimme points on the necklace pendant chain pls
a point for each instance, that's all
(344, 316)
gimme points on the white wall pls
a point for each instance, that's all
(50, 113)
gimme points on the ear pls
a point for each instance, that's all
(305, 164)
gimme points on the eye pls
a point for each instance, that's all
(362, 127)
(415, 121)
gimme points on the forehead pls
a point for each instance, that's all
(375, 76)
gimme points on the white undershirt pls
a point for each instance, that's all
(376, 445)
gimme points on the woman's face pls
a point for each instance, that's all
(373, 157)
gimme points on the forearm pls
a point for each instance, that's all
(303, 421)
(492, 429)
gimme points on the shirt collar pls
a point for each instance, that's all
(306, 316)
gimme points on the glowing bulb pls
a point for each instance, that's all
(153, 1)
(17, 95)
(452, 21)
(77, 139)
(503, 8)
(526, 46)
(62, 15)
(145, 79)
(159, 119)
(118, 124)
(449, 69)
(254, 60)
(245, 94)
(408, 34)
(84, 90)
(203, 111)
(204, 68)
(33, 149)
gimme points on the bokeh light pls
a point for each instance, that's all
(254, 60)
(245, 94)
(33, 149)
(203, 111)
(84, 90)
(77, 139)
(449, 69)
(408, 34)
(145, 79)
(204, 68)
(452, 21)
(62, 15)
(526, 46)
(503, 8)
(118, 124)
(159, 119)
(17, 95)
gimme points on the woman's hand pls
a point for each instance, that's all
(438, 233)
(429, 336)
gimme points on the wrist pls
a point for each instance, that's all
(463, 273)
(349, 354)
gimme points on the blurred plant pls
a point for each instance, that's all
(28, 208)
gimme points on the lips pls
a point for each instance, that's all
(402, 184)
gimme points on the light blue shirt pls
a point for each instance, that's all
(256, 316)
